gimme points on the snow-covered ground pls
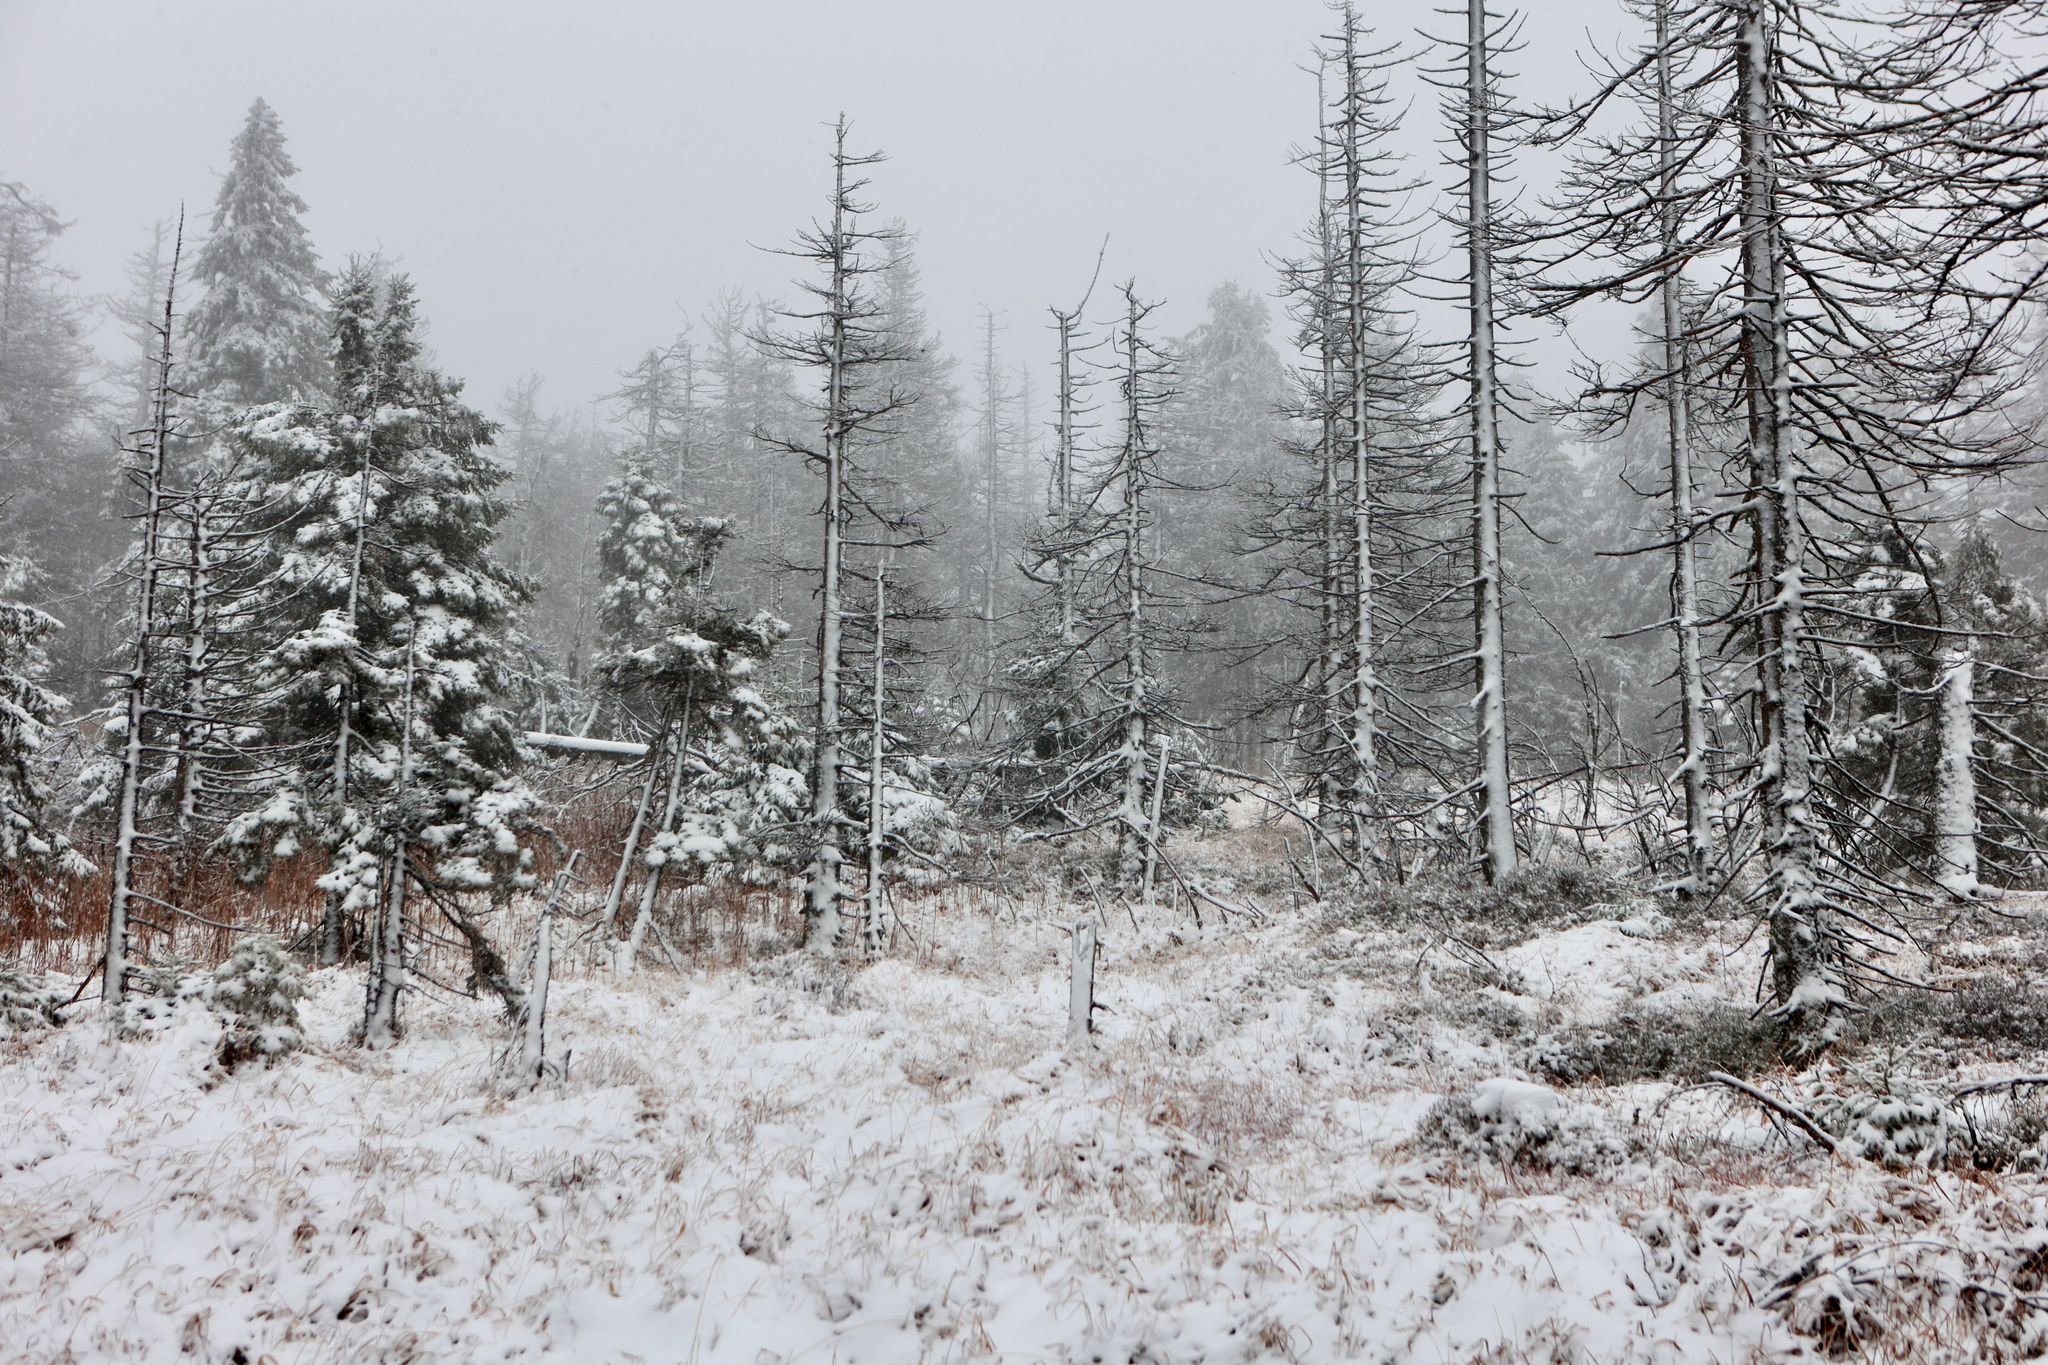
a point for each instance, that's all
(908, 1162)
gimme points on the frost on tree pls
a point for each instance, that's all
(258, 332)
(1944, 748)
(28, 840)
(1096, 757)
(1831, 229)
(1340, 529)
(850, 343)
(385, 659)
(723, 766)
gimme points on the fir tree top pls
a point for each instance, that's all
(258, 334)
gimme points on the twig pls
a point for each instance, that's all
(2012, 1083)
(1791, 1113)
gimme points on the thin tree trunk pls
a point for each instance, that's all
(871, 911)
(1692, 696)
(627, 954)
(192, 731)
(1131, 833)
(616, 897)
(1489, 703)
(387, 949)
(1155, 819)
(333, 917)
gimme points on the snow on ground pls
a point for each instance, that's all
(906, 1162)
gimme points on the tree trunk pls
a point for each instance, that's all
(1955, 806)
(871, 910)
(1692, 694)
(627, 953)
(1805, 952)
(1489, 702)
(823, 890)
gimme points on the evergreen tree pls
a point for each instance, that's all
(258, 333)
(722, 764)
(28, 711)
(50, 464)
(1224, 422)
(386, 659)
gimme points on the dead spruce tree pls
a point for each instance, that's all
(1340, 529)
(1047, 674)
(1809, 208)
(1653, 240)
(1479, 123)
(149, 472)
(844, 337)
(1104, 751)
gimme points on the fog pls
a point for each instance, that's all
(568, 183)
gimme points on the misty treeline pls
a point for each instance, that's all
(833, 609)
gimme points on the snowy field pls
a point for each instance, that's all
(907, 1162)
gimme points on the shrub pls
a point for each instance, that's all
(1554, 895)
(1999, 1015)
(2010, 1137)
(26, 1006)
(1650, 1042)
(257, 993)
(1520, 1124)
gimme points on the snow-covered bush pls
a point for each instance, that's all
(2005, 1016)
(2010, 1135)
(1549, 896)
(1518, 1123)
(1886, 1111)
(26, 1005)
(1656, 1043)
(163, 990)
(257, 993)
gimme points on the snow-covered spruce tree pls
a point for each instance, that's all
(255, 336)
(258, 331)
(29, 843)
(722, 765)
(1827, 213)
(846, 340)
(386, 654)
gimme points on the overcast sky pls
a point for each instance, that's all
(566, 181)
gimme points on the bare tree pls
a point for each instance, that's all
(149, 473)
(844, 339)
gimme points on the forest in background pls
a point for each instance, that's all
(294, 621)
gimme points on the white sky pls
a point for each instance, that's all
(565, 180)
